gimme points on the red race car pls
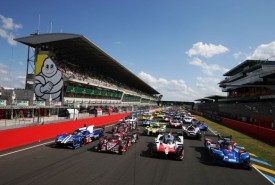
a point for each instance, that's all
(117, 143)
(124, 127)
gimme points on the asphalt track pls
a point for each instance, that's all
(47, 165)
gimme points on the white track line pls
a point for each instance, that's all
(35, 146)
(262, 174)
(25, 149)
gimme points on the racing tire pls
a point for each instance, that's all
(151, 153)
(120, 150)
(137, 138)
(82, 142)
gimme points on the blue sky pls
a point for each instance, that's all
(181, 48)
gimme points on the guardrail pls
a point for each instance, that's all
(261, 133)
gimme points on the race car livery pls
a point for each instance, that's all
(117, 143)
(188, 119)
(200, 124)
(191, 132)
(145, 122)
(168, 145)
(146, 116)
(129, 119)
(177, 123)
(79, 137)
(226, 151)
(154, 129)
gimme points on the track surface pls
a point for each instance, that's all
(47, 165)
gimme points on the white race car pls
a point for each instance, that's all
(188, 119)
(168, 145)
(191, 132)
(129, 119)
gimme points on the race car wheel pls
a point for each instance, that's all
(82, 142)
(247, 164)
(152, 153)
(120, 150)
(137, 137)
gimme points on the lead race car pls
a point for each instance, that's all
(168, 145)
(79, 137)
(226, 151)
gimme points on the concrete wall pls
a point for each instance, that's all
(27, 135)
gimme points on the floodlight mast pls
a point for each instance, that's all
(30, 71)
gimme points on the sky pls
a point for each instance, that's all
(181, 48)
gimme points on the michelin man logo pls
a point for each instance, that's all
(49, 82)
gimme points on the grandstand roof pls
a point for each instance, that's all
(204, 100)
(215, 97)
(240, 67)
(79, 50)
(251, 64)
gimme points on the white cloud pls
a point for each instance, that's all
(208, 69)
(117, 42)
(208, 80)
(237, 55)
(178, 90)
(7, 26)
(172, 90)
(208, 86)
(263, 52)
(10, 81)
(206, 50)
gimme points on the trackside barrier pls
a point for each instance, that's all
(261, 133)
(27, 135)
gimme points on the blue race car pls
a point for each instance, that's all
(227, 152)
(202, 126)
(145, 122)
(79, 137)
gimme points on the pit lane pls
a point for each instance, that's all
(46, 164)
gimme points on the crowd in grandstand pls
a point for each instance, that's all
(87, 74)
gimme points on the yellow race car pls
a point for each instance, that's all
(154, 129)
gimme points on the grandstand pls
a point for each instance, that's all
(251, 95)
(69, 70)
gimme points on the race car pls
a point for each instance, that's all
(168, 145)
(227, 152)
(79, 137)
(167, 118)
(154, 129)
(177, 123)
(146, 116)
(123, 127)
(129, 119)
(145, 122)
(200, 124)
(188, 119)
(191, 132)
(117, 143)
